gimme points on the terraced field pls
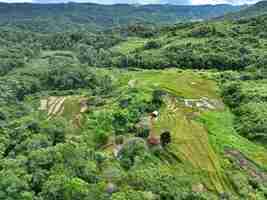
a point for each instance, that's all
(69, 107)
(191, 144)
(191, 141)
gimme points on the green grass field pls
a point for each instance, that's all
(129, 46)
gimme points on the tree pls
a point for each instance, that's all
(56, 131)
(61, 187)
(35, 142)
(251, 121)
(133, 195)
(15, 186)
(133, 148)
(121, 122)
(157, 98)
(87, 54)
(76, 161)
(232, 94)
(104, 58)
(165, 138)
(152, 44)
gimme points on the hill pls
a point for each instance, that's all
(75, 16)
(255, 10)
(201, 45)
(176, 115)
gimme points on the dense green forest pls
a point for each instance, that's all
(141, 112)
(94, 17)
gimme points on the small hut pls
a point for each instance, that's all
(154, 114)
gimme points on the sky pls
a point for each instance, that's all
(181, 2)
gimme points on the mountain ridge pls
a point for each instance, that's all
(62, 17)
(255, 10)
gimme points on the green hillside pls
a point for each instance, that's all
(202, 45)
(258, 9)
(170, 113)
(93, 17)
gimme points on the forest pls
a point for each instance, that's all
(49, 18)
(173, 111)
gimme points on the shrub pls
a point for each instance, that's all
(133, 148)
(203, 31)
(133, 195)
(251, 120)
(100, 137)
(232, 94)
(152, 44)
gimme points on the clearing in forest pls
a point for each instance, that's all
(190, 94)
(68, 107)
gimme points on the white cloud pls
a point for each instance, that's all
(236, 2)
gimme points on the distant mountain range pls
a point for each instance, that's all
(63, 17)
(255, 10)
(175, 2)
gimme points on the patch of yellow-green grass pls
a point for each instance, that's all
(129, 46)
(190, 143)
(67, 107)
(222, 134)
(71, 108)
(71, 111)
(175, 41)
(187, 83)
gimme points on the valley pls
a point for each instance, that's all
(168, 112)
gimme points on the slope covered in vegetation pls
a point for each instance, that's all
(93, 17)
(175, 113)
(226, 45)
(258, 9)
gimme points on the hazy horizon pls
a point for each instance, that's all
(176, 2)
